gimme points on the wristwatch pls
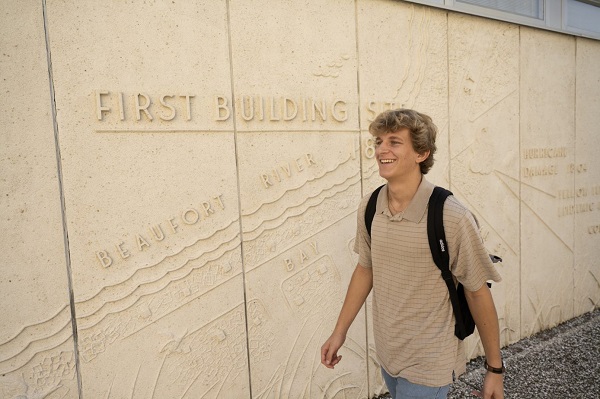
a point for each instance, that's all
(495, 370)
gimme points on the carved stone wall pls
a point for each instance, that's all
(179, 183)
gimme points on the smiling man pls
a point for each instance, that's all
(413, 320)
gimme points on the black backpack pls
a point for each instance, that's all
(465, 325)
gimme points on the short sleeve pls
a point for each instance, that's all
(469, 259)
(362, 243)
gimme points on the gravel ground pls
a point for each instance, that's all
(560, 363)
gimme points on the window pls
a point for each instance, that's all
(592, 2)
(527, 8)
(576, 17)
(582, 16)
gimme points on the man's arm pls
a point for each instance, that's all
(358, 290)
(484, 313)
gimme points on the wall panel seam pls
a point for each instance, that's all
(237, 177)
(62, 200)
(362, 188)
(520, 271)
(574, 268)
(448, 123)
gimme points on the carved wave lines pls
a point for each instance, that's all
(146, 289)
(300, 211)
(118, 287)
(306, 223)
(137, 287)
(35, 338)
(319, 190)
(288, 191)
(308, 203)
(53, 332)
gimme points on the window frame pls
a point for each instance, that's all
(555, 14)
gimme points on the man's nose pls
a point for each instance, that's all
(382, 147)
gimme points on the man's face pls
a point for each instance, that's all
(396, 156)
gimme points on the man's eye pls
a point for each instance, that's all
(377, 143)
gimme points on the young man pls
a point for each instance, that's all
(413, 320)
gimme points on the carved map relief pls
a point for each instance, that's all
(299, 197)
(484, 130)
(587, 179)
(297, 133)
(151, 198)
(403, 66)
(181, 317)
(308, 299)
(293, 187)
(36, 337)
(548, 166)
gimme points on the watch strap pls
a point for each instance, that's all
(495, 370)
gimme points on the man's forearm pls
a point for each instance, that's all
(358, 290)
(484, 313)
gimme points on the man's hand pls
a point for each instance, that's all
(493, 386)
(329, 356)
(358, 290)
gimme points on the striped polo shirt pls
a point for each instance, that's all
(413, 320)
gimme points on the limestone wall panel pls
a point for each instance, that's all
(36, 338)
(484, 119)
(297, 255)
(297, 141)
(547, 150)
(151, 197)
(586, 190)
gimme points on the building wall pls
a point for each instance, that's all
(179, 183)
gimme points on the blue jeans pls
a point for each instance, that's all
(401, 388)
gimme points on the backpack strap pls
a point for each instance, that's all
(439, 247)
(435, 231)
(371, 207)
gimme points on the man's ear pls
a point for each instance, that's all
(423, 156)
